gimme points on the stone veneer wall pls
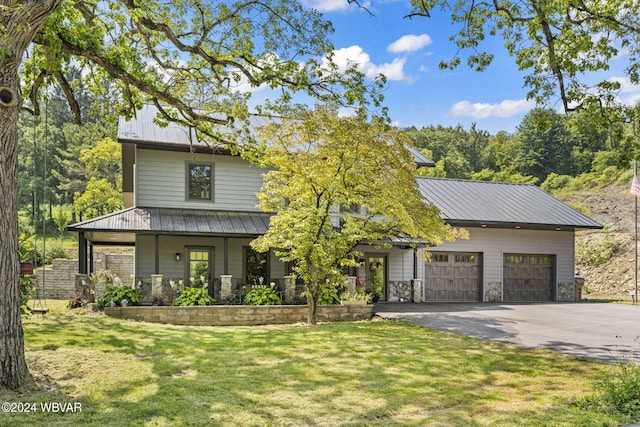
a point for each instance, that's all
(239, 315)
(492, 291)
(567, 292)
(400, 291)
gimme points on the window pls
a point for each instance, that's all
(351, 209)
(514, 259)
(255, 265)
(440, 258)
(200, 181)
(465, 258)
(539, 260)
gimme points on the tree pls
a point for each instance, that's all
(544, 145)
(169, 53)
(562, 43)
(104, 160)
(100, 198)
(336, 183)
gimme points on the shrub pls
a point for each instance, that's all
(597, 252)
(329, 296)
(262, 296)
(55, 253)
(27, 291)
(617, 392)
(620, 389)
(193, 296)
(115, 296)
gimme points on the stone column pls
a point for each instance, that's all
(492, 291)
(416, 285)
(156, 289)
(225, 287)
(289, 289)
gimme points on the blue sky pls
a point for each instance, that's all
(408, 51)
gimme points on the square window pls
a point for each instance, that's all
(200, 181)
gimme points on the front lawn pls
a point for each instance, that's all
(124, 373)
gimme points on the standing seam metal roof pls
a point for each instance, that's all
(463, 202)
(178, 221)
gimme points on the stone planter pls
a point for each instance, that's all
(353, 302)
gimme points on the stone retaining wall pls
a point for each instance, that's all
(238, 315)
(60, 278)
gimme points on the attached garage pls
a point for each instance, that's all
(520, 246)
(528, 278)
(453, 276)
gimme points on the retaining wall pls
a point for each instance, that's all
(238, 315)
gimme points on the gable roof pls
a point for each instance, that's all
(144, 132)
(498, 204)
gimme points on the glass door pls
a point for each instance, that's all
(200, 268)
(376, 280)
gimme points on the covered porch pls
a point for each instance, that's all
(176, 248)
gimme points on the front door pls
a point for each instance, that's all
(200, 268)
(376, 279)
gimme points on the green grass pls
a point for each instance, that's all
(126, 373)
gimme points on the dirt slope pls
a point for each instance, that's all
(613, 207)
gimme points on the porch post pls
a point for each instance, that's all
(82, 253)
(157, 255)
(226, 256)
(91, 258)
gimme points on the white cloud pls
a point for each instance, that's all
(507, 108)
(355, 55)
(410, 43)
(332, 5)
(629, 92)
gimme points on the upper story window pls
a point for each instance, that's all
(199, 181)
(351, 209)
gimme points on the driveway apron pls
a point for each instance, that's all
(609, 333)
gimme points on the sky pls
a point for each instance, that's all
(407, 52)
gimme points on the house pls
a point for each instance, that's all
(191, 213)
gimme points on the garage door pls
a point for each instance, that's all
(453, 276)
(528, 277)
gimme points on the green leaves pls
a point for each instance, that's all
(563, 44)
(337, 183)
(200, 59)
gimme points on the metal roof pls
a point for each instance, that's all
(139, 220)
(498, 204)
(143, 130)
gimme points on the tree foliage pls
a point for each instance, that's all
(337, 183)
(563, 44)
(199, 61)
(100, 198)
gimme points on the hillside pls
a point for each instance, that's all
(605, 258)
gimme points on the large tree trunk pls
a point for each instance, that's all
(19, 22)
(12, 361)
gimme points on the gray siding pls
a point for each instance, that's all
(494, 243)
(161, 181)
(169, 245)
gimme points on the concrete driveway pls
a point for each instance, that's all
(605, 332)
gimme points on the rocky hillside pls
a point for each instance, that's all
(605, 258)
